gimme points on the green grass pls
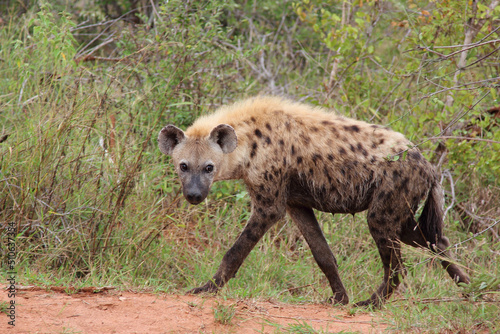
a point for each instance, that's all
(224, 314)
(97, 204)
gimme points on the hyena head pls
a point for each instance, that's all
(197, 160)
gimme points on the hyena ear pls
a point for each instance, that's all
(169, 137)
(224, 136)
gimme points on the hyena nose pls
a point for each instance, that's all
(194, 197)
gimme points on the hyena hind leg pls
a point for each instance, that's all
(455, 272)
(390, 253)
(413, 236)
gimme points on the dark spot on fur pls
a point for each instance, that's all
(316, 157)
(381, 141)
(382, 242)
(258, 133)
(355, 162)
(381, 195)
(254, 150)
(306, 139)
(276, 194)
(373, 159)
(326, 123)
(247, 164)
(353, 128)
(251, 236)
(330, 157)
(415, 155)
(372, 215)
(342, 170)
(261, 212)
(352, 148)
(272, 216)
(282, 143)
(374, 230)
(258, 197)
(293, 150)
(299, 160)
(252, 119)
(342, 151)
(374, 145)
(314, 129)
(362, 149)
(327, 174)
(287, 125)
(395, 174)
(268, 140)
(268, 126)
(311, 172)
(284, 161)
(404, 184)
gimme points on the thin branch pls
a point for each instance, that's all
(465, 138)
(452, 186)
(111, 39)
(456, 87)
(465, 47)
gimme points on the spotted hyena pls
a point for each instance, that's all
(295, 158)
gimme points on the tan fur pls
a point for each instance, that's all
(275, 112)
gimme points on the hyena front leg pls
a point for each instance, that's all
(261, 220)
(310, 229)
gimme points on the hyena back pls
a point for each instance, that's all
(295, 158)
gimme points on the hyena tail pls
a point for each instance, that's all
(431, 219)
(431, 226)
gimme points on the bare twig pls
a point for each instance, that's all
(83, 56)
(465, 138)
(472, 29)
(452, 186)
(464, 48)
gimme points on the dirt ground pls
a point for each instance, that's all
(54, 311)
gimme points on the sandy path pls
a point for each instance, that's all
(41, 311)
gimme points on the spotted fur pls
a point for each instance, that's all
(295, 158)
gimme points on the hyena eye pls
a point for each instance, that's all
(183, 167)
(209, 168)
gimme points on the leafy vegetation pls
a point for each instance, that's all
(85, 90)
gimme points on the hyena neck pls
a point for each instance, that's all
(233, 165)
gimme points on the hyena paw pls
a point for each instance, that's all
(375, 302)
(340, 298)
(210, 287)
